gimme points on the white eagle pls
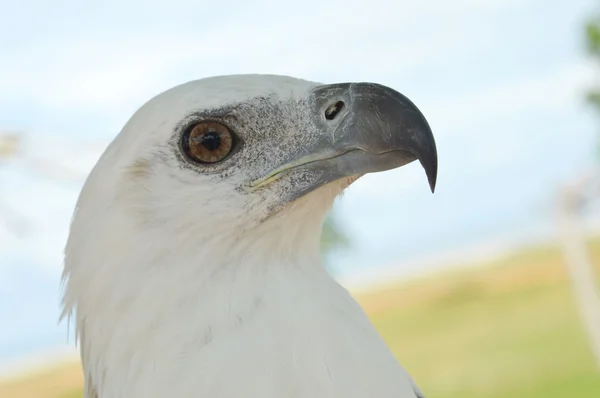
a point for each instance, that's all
(192, 267)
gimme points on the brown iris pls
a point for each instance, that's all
(207, 142)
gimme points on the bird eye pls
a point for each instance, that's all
(207, 142)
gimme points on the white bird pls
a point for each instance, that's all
(192, 267)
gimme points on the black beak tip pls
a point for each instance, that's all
(432, 184)
(431, 172)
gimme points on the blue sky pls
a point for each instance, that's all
(500, 81)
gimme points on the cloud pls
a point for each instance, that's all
(553, 89)
(109, 67)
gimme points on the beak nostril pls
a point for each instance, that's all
(332, 110)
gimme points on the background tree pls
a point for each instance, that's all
(11, 145)
(574, 198)
(592, 38)
(333, 238)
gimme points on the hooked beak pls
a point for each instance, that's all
(366, 128)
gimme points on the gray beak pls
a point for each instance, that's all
(365, 128)
(384, 126)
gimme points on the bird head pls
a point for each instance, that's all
(223, 156)
(220, 171)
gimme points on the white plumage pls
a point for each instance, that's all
(184, 280)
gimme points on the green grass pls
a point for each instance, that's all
(506, 330)
(509, 330)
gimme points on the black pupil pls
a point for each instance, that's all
(211, 141)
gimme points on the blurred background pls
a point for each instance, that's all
(488, 288)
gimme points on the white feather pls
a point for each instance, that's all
(178, 292)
